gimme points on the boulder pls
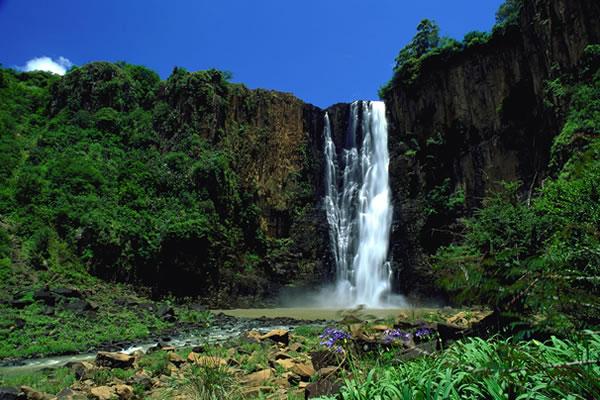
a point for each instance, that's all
(296, 347)
(278, 336)
(324, 387)
(70, 394)
(82, 369)
(257, 378)
(286, 363)
(324, 358)
(114, 360)
(32, 394)
(142, 380)
(102, 393)
(46, 296)
(10, 393)
(20, 303)
(67, 292)
(125, 392)
(176, 359)
(166, 312)
(80, 305)
(303, 370)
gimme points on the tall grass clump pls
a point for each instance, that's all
(496, 369)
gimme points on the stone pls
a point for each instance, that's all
(327, 371)
(296, 347)
(257, 378)
(46, 296)
(80, 305)
(81, 369)
(253, 336)
(449, 331)
(114, 360)
(303, 370)
(10, 393)
(102, 393)
(380, 328)
(287, 363)
(32, 394)
(20, 303)
(125, 392)
(278, 336)
(70, 394)
(67, 292)
(166, 312)
(324, 387)
(199, 349)
(324, 358)
(176, 359)
(141, 379)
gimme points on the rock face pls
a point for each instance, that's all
(473, 119)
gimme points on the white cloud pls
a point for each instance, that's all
(58, 66)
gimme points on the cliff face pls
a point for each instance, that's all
(473, 120)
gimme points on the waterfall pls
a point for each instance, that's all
(358, 206)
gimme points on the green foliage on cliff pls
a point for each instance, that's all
(427, 45)
(132, 177)
(541, 257)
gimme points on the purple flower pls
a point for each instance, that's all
(332, 337)
(421, 332)
(392, 335)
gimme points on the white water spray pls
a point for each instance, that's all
(358, 206)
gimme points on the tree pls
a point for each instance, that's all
(426, 39)
(508, 13)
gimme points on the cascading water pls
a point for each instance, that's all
(358, 206)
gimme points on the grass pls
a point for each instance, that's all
(496, 369)
(48, 381)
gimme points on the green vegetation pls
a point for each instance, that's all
(539, 258)
(496, 369)
(427, 46)
(48, 381)
(111, 172)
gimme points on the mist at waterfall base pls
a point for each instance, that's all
(359, 215)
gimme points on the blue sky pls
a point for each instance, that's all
(323, 51)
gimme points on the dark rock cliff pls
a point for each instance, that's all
(474, 119)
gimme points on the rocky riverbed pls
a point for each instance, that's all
(291, 359)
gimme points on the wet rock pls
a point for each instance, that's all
(198, 349)
(166, 312)
(278, 336)
(32, 394)
(10, 393)
(324, 387)
(124, 392)
(114, 360)
(102, 393)
(81, 369)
